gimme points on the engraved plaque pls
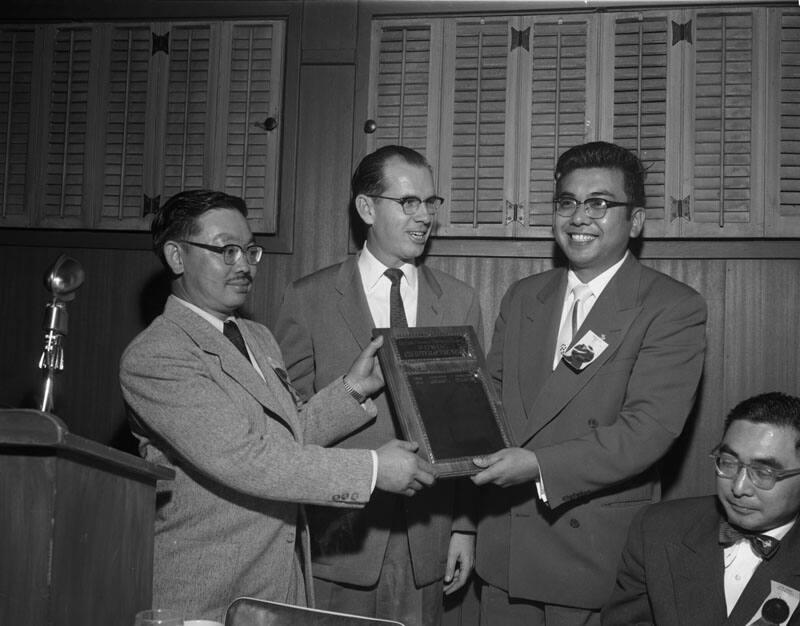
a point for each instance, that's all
(442, 395)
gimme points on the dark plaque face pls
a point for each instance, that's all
(444, 347)
(456, 413)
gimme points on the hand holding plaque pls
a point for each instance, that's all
(442, 395)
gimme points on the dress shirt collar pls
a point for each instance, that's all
(214, 321)
(372, 270)
(598, 283)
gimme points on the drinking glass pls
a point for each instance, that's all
(158, 617)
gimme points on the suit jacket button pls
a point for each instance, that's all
(592, 423)
(574, 523)
(290, 538)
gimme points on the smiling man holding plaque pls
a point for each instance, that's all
(392, 559)
(597, 366)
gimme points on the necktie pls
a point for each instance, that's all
(763, 545)
(232, 332)
(572, 322)
(397, 312)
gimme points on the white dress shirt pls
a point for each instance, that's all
(741, 562)
(377, 286)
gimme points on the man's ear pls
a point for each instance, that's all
(173, 254)
(365, 208)
(637, 222)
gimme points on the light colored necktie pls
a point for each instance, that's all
(572, 322)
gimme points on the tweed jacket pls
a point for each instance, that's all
(244, 456)
(671, 571)
(324, 322)
(597, 432)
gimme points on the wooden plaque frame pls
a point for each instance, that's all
(442, 395)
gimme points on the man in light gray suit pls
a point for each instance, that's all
(208, 396)
(395, 558)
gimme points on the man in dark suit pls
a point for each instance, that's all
(209, 398)
(390, 559)
(597, 365)
(731, 559)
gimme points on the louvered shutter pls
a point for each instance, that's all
(784, 181)
(723, 115)
(478, 153)
(641, 97)
(16, 70)
(403, 85)
(254, 94)
(558, 96)
(187, 109)
(125, 123)
(63, 198)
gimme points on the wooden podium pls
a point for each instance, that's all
(76, 526)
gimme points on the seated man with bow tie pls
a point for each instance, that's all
(209, 397)
(733, 559)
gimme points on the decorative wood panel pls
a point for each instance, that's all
(560, 62)
(125, 127)
(68, 124)
(253, 82)
(16, 76)
(406, 84)
(187, 124)
(724, 155)
(641, 97)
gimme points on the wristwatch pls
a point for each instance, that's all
(355, 393)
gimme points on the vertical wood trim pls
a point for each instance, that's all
(156, 118)
(674, 177)
(600, 38)
(687, 108)
(96, 113)
(772, 114)
(219, 59)
(518, 133)
(42, 71)
(433, 144)
(372, 92)
(445, 135)
(758, 121)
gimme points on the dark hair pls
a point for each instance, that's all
(177, 217)
(774, 408)
(607, 155)
(368, 177)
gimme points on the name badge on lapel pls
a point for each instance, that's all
(584, 351)
(777, 607)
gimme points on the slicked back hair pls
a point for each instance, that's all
(176, 219)
(605, 155)
(368, 177)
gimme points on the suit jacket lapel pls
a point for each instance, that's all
(610, 318)
(211, 341)
(429, 293)
(697, 569)
(352, 304)
(783, 567)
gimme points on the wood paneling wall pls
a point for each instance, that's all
(753, 342)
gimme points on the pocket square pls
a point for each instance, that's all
(584, 351)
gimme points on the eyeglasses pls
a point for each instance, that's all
(411, 204)
(232, 252)
(595, 207)
(761, 476)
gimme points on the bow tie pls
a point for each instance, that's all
(763, 545)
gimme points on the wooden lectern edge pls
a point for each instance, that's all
(29, 428)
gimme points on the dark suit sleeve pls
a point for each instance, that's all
(629, 602)
(292, 332)
(658, 396)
